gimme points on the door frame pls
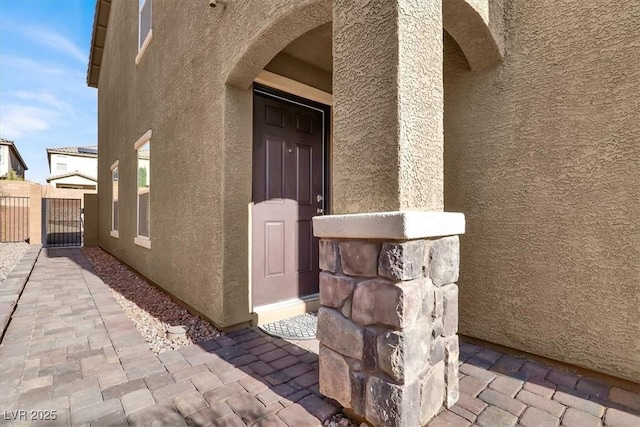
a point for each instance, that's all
(286, 89)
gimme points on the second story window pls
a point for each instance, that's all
(144, 28)
(61, 166)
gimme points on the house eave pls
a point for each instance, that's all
(12, 146)
(70, 174)
(66, 153)
(98, 38)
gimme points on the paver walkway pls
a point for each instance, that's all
(11, 287)
(70, 349)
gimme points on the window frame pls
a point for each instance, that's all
(115, 198)
(144, 241)
(142, 48)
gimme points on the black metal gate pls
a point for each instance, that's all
(61, 222)
(14, 219)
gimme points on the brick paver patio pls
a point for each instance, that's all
(70, 349)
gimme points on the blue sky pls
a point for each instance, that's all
(44, 98)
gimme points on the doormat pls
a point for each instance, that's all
(301, 327)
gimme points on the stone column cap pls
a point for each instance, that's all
(399, 225)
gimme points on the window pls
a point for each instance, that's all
(143, 171)
(144, 28)
(61, 166)
(144, 179)
(114, 200)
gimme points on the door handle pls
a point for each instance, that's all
(320, 211)
(319, 198)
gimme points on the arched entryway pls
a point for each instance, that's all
(292, 53)
(387, 78)
(268, 50)
(469, 22)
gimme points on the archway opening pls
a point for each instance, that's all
(308, 59)
(290, 172)
(296, 48)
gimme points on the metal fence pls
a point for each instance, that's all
(62, 222)
(14, 219)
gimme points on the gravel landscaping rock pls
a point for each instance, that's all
(10, 255)
(151, 310)
(340, 420)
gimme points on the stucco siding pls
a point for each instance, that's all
(199, 238)
(293, 68)
(542, 156)
(175, 93)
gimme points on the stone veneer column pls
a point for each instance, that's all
(388, 321)
(389, 317)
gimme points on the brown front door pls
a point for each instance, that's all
(288, 190)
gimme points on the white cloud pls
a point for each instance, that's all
(30, 66)
(44, 98)
(37, 79)
(19, 120)
(46, 37)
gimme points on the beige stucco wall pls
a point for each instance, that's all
(36, 193)
(201, 143)
(33, 191)
(90, 202)
(388, 143)
(542, 154)
(293, 68)
(49, 191)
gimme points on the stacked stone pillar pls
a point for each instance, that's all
(388, 327)
(389, 256)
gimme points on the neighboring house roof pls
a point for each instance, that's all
(84, 151)
(12, 146)
(100, 21)
(68, 174)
